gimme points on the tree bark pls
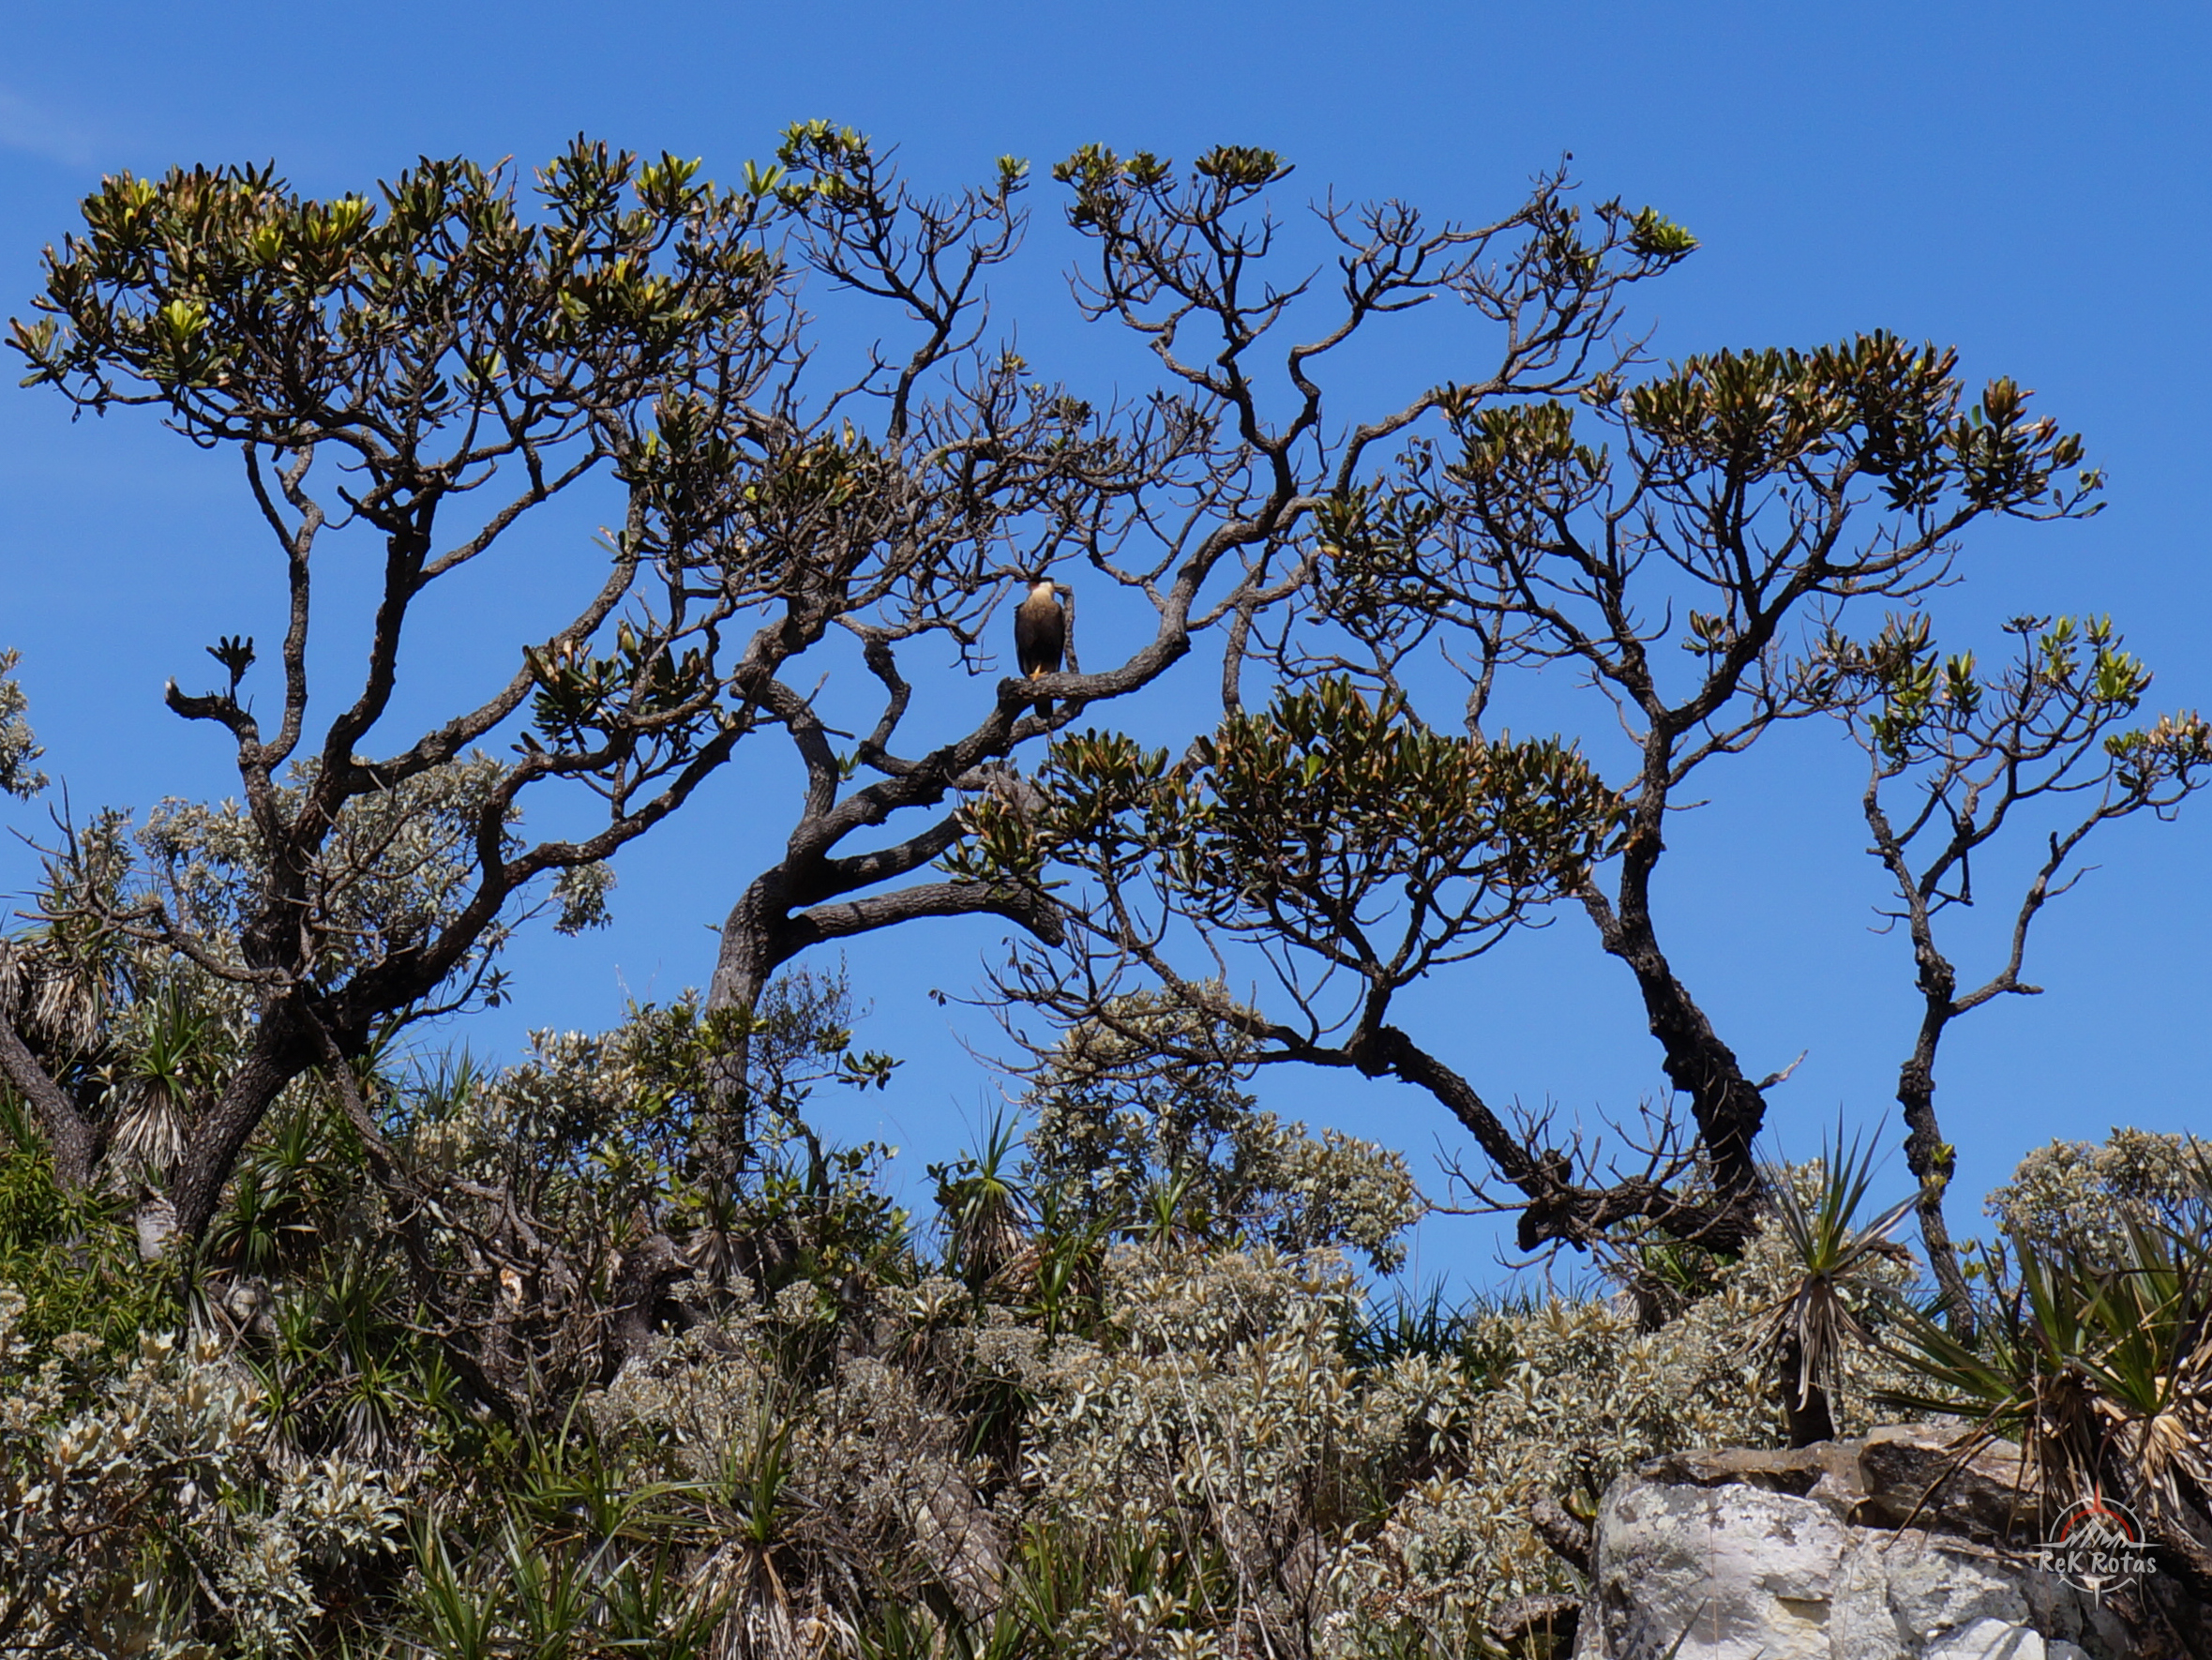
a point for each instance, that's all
(1558, 1208)
(1930, 1160)
(1728, 1107)
(1804, 1400)
(283, 1048)
(1926, 1153)
(73, 1141)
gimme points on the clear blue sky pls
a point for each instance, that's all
(2029, 182)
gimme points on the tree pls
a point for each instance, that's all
(1354, 850)
(1197, 507)
(460, 360)
(1970, 752)
(1192, 1433)
(1742, 506)
(458, 367)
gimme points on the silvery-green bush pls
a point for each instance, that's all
(1138, 1433)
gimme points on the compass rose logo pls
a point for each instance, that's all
(2099, 1546)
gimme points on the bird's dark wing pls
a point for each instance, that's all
(1040, 636)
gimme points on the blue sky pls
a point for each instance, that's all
(2018, 179)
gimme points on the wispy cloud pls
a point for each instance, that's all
(34, 130)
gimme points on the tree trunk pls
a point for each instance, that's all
(1729, 1107)
(745, 958)
(1930, 1160)
(1804, 1401)
(742, 968)
(279, 1054)
(73, 1143)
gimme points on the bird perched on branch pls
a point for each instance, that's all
(1040, 634)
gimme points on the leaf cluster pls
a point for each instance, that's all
(254, 313)
(1332, 825)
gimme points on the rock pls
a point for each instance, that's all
(1567, 1536)
(955, 1534)
(1804, 1555)
(1914, 1474)
(1920, 1477)
(1527, 1620)
(1731, 1571)
(1992, 1639)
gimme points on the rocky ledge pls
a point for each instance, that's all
(1896, 1546)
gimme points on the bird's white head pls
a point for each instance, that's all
(1043, 588)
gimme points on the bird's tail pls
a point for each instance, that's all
(1043, 705)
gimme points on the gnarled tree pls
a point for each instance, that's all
(1957, 754)
(422, 371)
(1197, 507)
(1354, 851)
(1690, 569)
(425, 371)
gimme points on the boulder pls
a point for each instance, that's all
(1907, 1544)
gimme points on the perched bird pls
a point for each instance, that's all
(1040, 634)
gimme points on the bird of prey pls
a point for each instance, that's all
(1040, 634)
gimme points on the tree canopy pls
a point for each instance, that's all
(426, 367)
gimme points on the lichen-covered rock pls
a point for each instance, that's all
(1993, 1639)
(1803, 1555)
(1743, 1573)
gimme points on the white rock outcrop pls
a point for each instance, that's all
(1803, 1555)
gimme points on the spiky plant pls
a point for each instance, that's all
(2100, 1365)
(1812, 1326)
(985, 1207)
(176, 1058)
